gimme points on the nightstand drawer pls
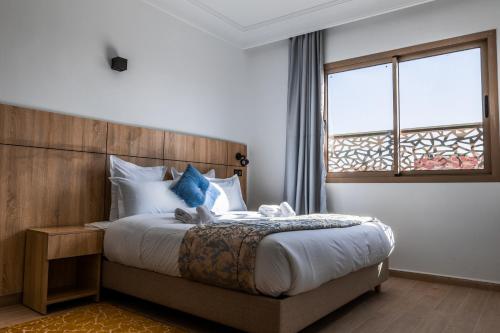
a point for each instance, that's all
(73, 245)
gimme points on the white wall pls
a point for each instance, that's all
(446, 229)
(267, 89)
(54, 55)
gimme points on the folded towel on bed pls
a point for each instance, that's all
(286, 209)
(203, 216)
(281, 210)
(270, 210)
(185, 217)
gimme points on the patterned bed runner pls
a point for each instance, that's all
(224, 253)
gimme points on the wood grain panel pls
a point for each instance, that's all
(231, 170)
(43, 187)
(10, 300)
(220, 170)
(73, 245)
(66, 230)
(232, 149)
(135, 141)
(26, 127)
(190, 148)
(146, 162)
(36, 268)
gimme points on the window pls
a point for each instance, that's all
(423, 113)
(360, 108)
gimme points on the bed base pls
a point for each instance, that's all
(251, 313)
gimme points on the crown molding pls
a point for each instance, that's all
(326, 15)
(264, 23)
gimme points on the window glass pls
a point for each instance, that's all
(441, 112)
(360, 113)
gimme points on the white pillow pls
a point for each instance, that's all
(147, 197)
(177, 174)
(231, 187)
(127, 170)
(221, 204)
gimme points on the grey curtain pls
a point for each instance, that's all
(305, 170)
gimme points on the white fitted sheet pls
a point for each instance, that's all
(287, 263)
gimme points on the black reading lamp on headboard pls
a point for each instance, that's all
(243, 159)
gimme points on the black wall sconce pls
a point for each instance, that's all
(243, 159)
(119, 64)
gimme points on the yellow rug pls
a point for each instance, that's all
(95, 318)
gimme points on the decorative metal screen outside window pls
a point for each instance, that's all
(444, 148)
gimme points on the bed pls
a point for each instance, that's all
(83, 148)
(265, 271)
(296, 279)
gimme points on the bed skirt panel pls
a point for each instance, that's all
(251, 313)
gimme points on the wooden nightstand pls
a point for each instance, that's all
(61, 264)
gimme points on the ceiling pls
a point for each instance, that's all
(251, 23)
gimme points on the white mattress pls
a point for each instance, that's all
(287, 263)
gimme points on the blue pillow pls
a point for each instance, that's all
(195, 189)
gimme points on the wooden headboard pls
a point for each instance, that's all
(53, 171)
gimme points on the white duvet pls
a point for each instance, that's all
(288, 263)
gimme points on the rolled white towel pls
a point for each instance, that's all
(186, 217)
(270, 210)
(281, 210)
(286, 209)
(205, 215)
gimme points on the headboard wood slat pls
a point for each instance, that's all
(27, 127)
(189, 148)
(135, 141)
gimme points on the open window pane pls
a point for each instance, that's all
(441, 112)
(360, 113)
